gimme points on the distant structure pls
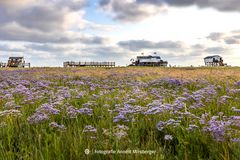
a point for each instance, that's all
(17, 62)
(150, 60)
(2, 65)
(214, 60)
(88, 64)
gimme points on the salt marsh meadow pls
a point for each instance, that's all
(120, 113)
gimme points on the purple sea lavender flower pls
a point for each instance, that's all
(198, 96)
(104, 92)
(95, 96)
(168, 137)
(21, 89)
(25, 82)
(89, 128)
(37, 117)
(86, 111)
(223, 99)
(4, 85)
(173, 122)
(178, 105)
(174, 82)
(89, 104)
(106, 106)
(154, 110)
(48, 109)
(235, 110)
(220, 113)
(120, 134)
(197, 105)
(120, 117)
(72, 112)
(237, 83)
(189, 114)
(57, 102)
(132, 109)
(131, 100)
(92, 88)
(155, 103)
(78, 83)
(8, 96)
(203, 118)
(122, 127)
(217, 128)
(11, 112)
(63, 92)
(181, 99)
(117, 105)
(236, 140)
(9, 105)
(80, 95)
(167, 107)
(234, 91)
(161, 125)
(235, 117)
(192, 127)
(57, 126)
(210, 90)
(42, 84)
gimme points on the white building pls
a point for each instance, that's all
(150, 60)
(214, 60)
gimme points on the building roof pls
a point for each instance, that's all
(212, 56)
(145, 57)
(15, 57)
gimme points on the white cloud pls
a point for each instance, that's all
(231, 38)
(130, 10)
(137, 10)
(57, 30)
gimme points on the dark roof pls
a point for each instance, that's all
(157, 57)
(15, 57)
(212, 56)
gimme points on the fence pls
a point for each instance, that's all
(22, 65)
(89, 64)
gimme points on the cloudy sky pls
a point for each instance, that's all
(183, 32)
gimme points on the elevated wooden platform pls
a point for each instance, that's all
(88, 64)
(24, 65)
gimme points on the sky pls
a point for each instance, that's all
(183, 32)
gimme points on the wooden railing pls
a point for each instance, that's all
(22, 65)
(88, 64)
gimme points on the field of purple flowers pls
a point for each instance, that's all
(89, 113)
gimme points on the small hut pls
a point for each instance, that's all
(17, 62)
(214, 60)
(2, 65)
